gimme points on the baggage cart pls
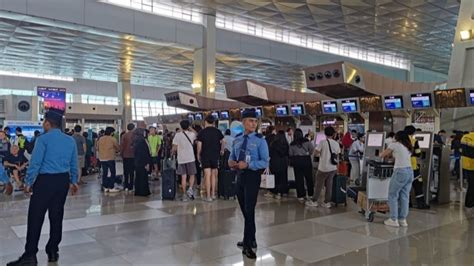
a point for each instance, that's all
(375, 199)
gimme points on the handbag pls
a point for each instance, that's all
(333, 160)
(267, 180)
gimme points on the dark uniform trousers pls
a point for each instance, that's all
(248, 184)
(49, 194)
(129, 172)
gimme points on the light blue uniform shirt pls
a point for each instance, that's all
(54, 153)
(257, 148)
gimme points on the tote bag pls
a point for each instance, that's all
(268, 180)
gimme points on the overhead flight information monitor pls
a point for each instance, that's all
(330, 107)
(215, 115)
(281, 110)
(297, 109)
(393, 102)
(258, 111)
(421, 100)
(224, 115)
(198, 116)
(190, 117)
(349, 106)
(471, 96)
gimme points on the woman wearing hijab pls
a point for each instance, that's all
(142, 162)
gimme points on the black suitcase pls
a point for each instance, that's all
(227, 184)
(339, 190)
(352, 192)
(168, 184)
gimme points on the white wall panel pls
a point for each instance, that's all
(109, 17)
(157, 27)
(227, 41)
(283, 52)
(189, 34)
(250, 45)
(65, 10)
(14, 5)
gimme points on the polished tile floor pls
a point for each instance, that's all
(127, 230)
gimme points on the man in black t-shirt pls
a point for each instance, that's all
(209, 148)
(16, 164)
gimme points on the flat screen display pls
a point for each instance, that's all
(349, 106)
(215, 115)
(53, 97)
(258, 111)
(224, 115)
(423, 140)
(281, 110)
(190, 117)
(421, 100)
(198, 116)
(375, 140)
(393, 102)
(297, 109)
(471, 96)
(330, 107)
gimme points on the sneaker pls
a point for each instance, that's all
(301, 200)
(214, 197)
(207, 199)
(390, 222)
(327, 205)
(403, 222)
(190, 194)
(114, 190)
(311, 203)
(106, 190)
(278, 197)
(126, 190)
(184, 199)
(268, 195)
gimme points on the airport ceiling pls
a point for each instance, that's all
(419, 30)
(54, 49)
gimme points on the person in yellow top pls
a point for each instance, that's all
(155, 141)
(418, 179)
(467, 153)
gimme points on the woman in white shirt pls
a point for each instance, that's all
(401, 180)
(356, 152)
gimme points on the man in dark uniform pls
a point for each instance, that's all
(249, 157)
(52, 171)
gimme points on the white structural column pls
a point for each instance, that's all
(461, 69)
(124, 92)
(204, 74)
(124, 87)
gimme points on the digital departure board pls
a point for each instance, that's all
(224, 115)
(330, 107)
(471, 96)
(281, 110)
(349, 106)
(198, 116)
(421, 100)
(297, 109)
(393, 102)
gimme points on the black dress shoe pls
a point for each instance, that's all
(24, 261)
(240, 244)
(52, 256)
(248, 252)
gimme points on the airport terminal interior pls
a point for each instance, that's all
(363, 151)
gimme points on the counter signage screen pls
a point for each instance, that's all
(258, 111)
(297, 110)
(471, 96)
(190, 117)
(215, 115)
(330, 107)
(393, 102)
(282, 110)
(421, 100)
(349, 106)
(423, 140)
(198, 117)
(224, 115)
(53, 97)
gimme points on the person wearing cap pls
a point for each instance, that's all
(52, 172)
(249, 157)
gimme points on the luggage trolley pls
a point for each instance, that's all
(378, 182)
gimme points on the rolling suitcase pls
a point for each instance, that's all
(353, 192)
(227, 184)
(339, 190)
(168, 180)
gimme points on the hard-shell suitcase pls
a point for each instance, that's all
(227, 184)
(353, 192)
(168, 184)
(339, 190)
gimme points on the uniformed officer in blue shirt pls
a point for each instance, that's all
(249, 157)
(52, 172)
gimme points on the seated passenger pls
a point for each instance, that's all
(16, 164)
